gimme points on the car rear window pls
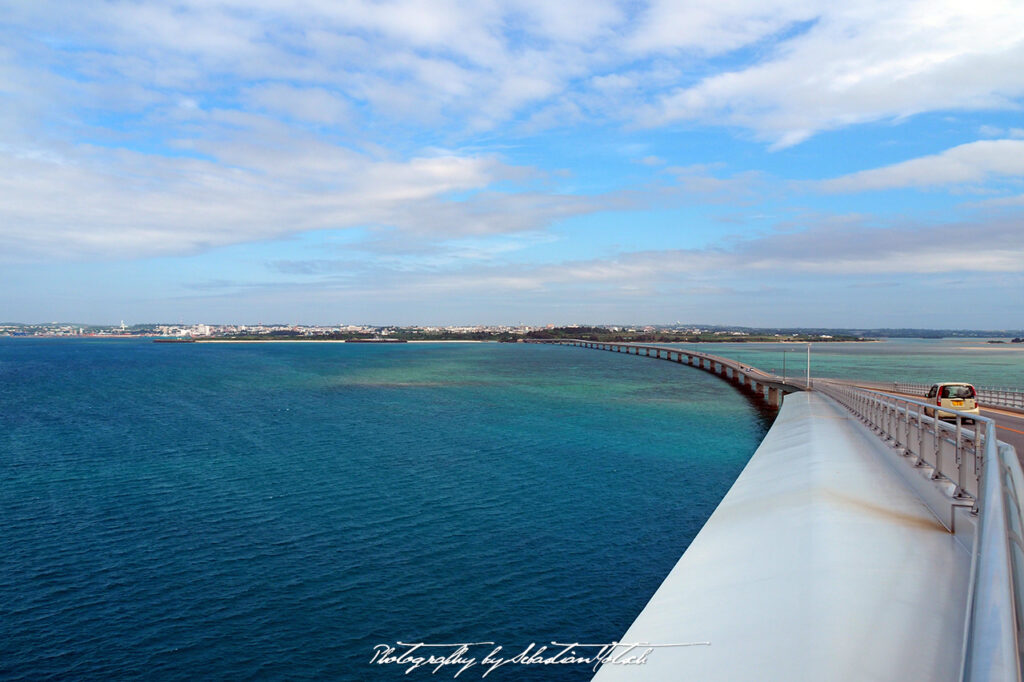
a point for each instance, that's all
(957, 392)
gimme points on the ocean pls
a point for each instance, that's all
(925, 361)
(278, 510)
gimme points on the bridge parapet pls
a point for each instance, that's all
(977, 471)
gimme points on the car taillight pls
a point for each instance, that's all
(938, 401)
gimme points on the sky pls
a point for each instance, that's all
(743, 162)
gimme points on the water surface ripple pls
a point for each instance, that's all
(273, 511)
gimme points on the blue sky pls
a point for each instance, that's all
(769, 162)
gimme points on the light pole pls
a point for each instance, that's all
(808, 366)
(784, 352)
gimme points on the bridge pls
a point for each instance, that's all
(765, 387)
(865, 539)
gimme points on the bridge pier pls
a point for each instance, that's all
(774, 397)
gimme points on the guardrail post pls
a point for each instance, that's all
(959, 450)
(920, 435)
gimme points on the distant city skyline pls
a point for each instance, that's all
(761, 164)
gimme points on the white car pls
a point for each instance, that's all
(953, 395)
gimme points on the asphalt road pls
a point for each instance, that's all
(1009, 428)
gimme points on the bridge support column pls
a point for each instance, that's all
(774, 397)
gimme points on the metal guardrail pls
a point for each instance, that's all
(953, 452)
(986, 474)
(993, 397)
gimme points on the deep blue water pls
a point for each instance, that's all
(273, 511)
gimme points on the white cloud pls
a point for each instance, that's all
(715, 26)
(845, 249)
(178, 102)
(968, 163)
(1001, 202)
(316, 105)
(739, 189)
(812, 64)
(866, 61)
(264, 184)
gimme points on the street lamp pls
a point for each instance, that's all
(808, 366)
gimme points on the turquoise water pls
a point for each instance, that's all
(240, 511)
(923, 361)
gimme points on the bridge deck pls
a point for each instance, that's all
(819, 564)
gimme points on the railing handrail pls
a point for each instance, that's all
(992, 632)
(895, 417)
(995, 603)
(987, 395)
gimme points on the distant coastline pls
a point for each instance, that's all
(369, 342)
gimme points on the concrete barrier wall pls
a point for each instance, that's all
(819, 564)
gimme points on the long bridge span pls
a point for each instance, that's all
(760, 384)
(864, 540)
